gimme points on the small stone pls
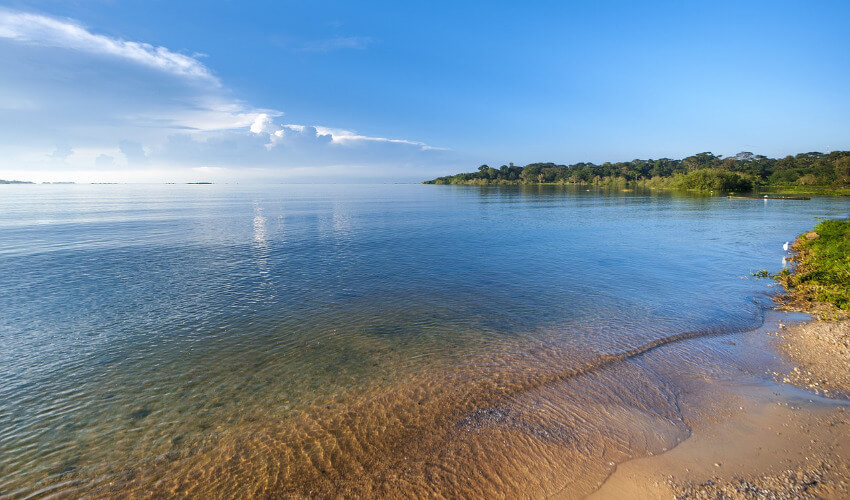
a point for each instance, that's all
(139, 413)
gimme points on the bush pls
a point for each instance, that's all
(712, 179)
(822, 273)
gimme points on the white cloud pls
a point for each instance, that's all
(99, 104)
(45, 31)
(264, 125)
(341, 136)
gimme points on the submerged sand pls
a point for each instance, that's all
(526, 425)
(540, 432)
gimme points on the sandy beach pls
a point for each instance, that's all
(821, 349)
(789, 440)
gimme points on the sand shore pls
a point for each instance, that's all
(821, 351)
(789, 440)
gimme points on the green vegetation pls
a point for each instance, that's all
(810, 173)
(822, 271)
(713, 179)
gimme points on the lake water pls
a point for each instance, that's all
(218, 340)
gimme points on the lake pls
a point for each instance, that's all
(230, 340)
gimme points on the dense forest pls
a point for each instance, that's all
(704, 172)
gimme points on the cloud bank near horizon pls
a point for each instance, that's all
(85, 106)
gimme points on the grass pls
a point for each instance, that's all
(820, 279)
(812, 190)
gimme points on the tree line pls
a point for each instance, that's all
(703, 171)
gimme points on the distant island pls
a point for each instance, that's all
(2, 181)
(806, 172)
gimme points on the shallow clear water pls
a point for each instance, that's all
(314, 339)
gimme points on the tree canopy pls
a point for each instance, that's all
(702, 171)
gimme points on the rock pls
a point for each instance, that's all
(139, 413)
(812, 235)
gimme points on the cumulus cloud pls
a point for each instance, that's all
(114, 103)
(264, 125)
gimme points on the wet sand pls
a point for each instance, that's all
(789, 440)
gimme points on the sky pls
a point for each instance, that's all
(334, 91)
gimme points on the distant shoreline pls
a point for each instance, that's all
(814, 173)
(94, 183)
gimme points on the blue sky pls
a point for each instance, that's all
(397, 91)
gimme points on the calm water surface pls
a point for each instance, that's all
(365, 340)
